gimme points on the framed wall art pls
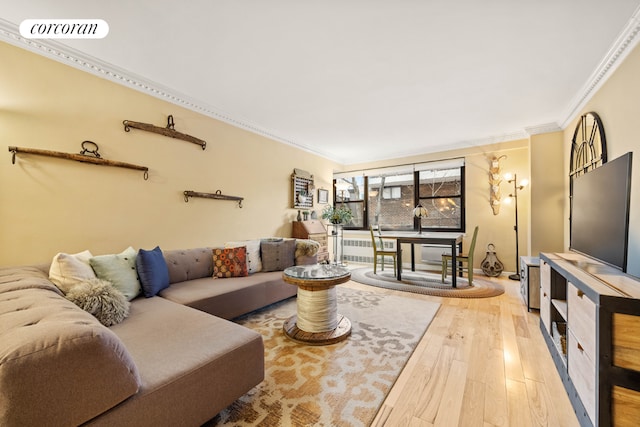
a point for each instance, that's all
(323, 196)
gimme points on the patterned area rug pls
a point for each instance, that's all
(343, 384)
(426, 283)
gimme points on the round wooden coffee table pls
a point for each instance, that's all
(317, 321)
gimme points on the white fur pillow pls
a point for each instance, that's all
(101, 299)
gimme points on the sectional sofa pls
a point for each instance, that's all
(175, 359)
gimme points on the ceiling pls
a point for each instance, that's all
(361, 80)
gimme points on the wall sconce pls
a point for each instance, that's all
(516, 187)
(494, 181)
(420, 212)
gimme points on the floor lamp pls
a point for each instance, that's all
(516, 187)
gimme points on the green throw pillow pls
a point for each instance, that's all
(119, 269)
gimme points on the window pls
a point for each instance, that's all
(392, 193)
(440, 191)
(391, 200)
(350, 192)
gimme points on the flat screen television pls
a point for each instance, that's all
(600, 212)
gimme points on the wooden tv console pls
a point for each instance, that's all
(590, 319)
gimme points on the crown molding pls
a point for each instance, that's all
(620, 49)
(453, 146)
(10, 33)
(543, 128)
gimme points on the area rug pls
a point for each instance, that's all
(426, 283)
(342, 384)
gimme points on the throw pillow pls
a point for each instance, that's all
(306, 247)
(152, 271)
(119, 269)
(254, 263)
(230, 262)
(277, 255)
(101, 299)
(68, 270)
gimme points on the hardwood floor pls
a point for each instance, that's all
(482, 362)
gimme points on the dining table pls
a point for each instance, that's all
(452, 240)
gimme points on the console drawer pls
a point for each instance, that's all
(582, 372)
(625, 407)
(545, 295)
(626, 341)
(582, 319)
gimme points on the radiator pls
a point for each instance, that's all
(359, 251)
(433, 254)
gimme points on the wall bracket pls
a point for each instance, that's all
(166, 131)
(84, 158)
(217, 195)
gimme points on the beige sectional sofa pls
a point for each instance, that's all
(175, 360)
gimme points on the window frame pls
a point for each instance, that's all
(416, 200)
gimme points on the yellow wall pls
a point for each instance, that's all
(51, 205)
(547, 193)
(616, 102)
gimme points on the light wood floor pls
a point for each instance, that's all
(482, 362)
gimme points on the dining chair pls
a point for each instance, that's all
(463, 259)
(378, 250)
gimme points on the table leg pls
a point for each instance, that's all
(413, 258)
(460, 264)
(453, 265)
(399, 261)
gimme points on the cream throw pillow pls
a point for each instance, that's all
(68, 270)
(254, 262)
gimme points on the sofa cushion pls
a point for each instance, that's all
(192, 364)
(254, 262)
(277, 255)
(28, 277)
(231, 297)
(230, 262)
(120, 270)
(70, 269)
(189, 264)
(48, 340)
(152, 271)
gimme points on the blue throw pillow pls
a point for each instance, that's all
(152, 271)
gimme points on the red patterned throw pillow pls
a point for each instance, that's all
(230, 262)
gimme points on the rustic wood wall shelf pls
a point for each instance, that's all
(166, 131)
(84, 158)
(217, 195)
(302, 189)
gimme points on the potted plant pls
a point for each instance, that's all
(337, 215)
(302, 196)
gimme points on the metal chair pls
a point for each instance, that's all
(378, 250)
(462, 258)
